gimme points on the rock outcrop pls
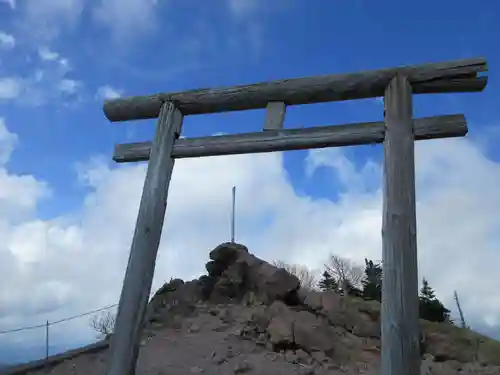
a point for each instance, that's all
(283, 318)
(246, 316)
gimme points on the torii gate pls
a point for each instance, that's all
(399, 315)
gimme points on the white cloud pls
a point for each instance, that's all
(108, 92)
(48, 55)
(10, 3)
(19, 194)
(7, 41)
(50, 80)
(49, 17)
(243, 7)
(251, 18)
(69, 86)
(126, 18)
(75, 255)
(8, 141)
(54, 73)
(11, 87)
(337, 160)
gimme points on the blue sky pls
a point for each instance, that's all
(59, 60)
(328, 37)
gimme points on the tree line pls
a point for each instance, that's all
(341, 275)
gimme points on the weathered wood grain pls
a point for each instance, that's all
(275, 116)
(141, 264)
(453, 76)
(400, 315)
(293, 139)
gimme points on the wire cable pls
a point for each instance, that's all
(57, 321)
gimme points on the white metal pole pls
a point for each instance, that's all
(233, 212)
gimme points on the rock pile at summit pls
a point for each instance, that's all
(276, 314)
(246, 316)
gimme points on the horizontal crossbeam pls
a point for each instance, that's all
(445, 77)
(294, 139)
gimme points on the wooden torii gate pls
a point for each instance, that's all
(400, 314)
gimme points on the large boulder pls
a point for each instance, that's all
(280, 326)
(214, 269)
(272, 283)
(312, 333)
(174, 298)
(232, 284)
(227, 253)
(298, 329)
(236, 272)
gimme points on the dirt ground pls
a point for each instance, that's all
(208, 344)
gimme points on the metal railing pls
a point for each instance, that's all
(47, 326)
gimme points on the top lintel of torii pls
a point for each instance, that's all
(444, 77)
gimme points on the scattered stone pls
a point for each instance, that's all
(306, 370)
(194, 328)
(238, 332)
(303, 356)
(218, 358)
(320, 356)
(428, 357)
(231, 353)
(291, 357)
(222, 327)
(261, 339)
(214, 311)
(272, 356)
(372, 349)
(260, 320)
(196, 370)
(225, 316)
(242, 367)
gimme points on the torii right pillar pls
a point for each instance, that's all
(400, 326)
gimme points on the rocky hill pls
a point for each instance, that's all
(247, 316)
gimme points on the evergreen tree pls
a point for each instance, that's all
(426, 292)
(430, 307)
(327, 283)
(352, 290)
(372, 283)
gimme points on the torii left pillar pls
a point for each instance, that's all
(134, 298)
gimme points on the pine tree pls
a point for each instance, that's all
(327, 283)
(352, 290)
(426, 292)
(372, 283)
(430, 307)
